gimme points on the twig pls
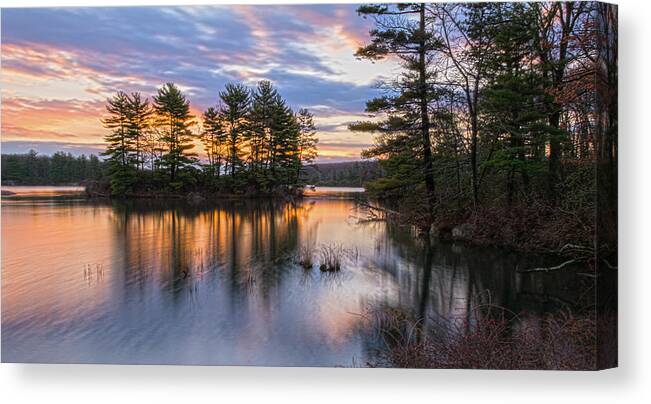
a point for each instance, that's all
(371, 207)
(549, 269)
(608, 264)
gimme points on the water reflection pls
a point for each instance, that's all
(153, 282)
(454, 284)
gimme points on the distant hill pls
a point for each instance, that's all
(348, 174)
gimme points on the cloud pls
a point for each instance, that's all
(25, 118)
(49, 147)
(60, 64)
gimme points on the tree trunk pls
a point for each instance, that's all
(424, 115)
(473, 157)
(558, 75)
(554, 156)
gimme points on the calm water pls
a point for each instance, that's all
(146, 282)
(40, 191)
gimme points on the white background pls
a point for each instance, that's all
(631, 382)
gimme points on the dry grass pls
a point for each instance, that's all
(305, 257)
(331, 257)
(495, 340)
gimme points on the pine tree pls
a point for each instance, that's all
(401, 31)
(307, 140)
(283, 144)
(256, 138)
(214, 138)
(236, 100)
(173, 120)
(120, 144)
(139, 122)
(261, 139)
(514, 101)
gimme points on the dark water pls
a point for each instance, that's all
(167, 283)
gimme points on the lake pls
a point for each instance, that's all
(162, 282)
(41, 191)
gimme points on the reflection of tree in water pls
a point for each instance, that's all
(237, 256)
(444, 283)
(173, 244)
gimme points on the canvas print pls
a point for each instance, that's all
(413, 185)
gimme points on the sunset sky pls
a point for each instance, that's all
(60, 64)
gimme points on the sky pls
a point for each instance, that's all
(60, 64)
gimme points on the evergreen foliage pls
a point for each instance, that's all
(236, 99)
(173, 121)
(253, 142)
(307, 140)
(504, 96)
(120, 143)
(59, 169)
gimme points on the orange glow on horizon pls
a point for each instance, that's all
(56, 94)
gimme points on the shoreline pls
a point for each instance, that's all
(458, 231)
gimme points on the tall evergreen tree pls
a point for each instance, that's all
(120, 143)
(139, 122)
(234, 113)
(214, 139)
(307, 140)
(401, 31)
(283, 144)
(263, 112)
(514, 101)
(173, 120)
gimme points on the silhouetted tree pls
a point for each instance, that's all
(307, 140)
(173, 120)
(120, 143)
(234, 113)
(401, 31)
(214, 138)
(139, 123)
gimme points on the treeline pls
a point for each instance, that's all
(347, 174)
(253, 141)
(504, 116)
(60, 168)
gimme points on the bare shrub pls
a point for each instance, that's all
(500, 340)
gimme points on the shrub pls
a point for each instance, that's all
(497, 340)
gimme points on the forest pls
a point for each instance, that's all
(63, 168)
(486, 235)
(503, 119)
(59, 169)
(345, 174)
(254, 143)
(501, 125)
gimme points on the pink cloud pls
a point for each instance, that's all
(34, 119)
